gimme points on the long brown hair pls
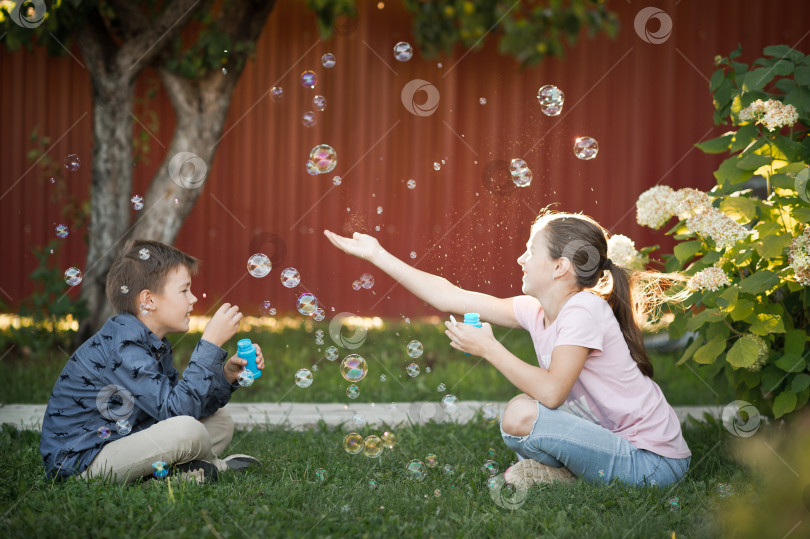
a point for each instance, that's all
(632, 295)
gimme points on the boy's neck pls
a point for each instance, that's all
(149, 322)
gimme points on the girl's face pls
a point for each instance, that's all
(538, 267)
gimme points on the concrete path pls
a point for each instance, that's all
(301, 416)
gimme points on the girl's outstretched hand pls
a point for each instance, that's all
(475, 341)
(359, 245)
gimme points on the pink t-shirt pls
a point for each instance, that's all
(610, 390)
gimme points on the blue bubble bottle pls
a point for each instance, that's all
(474, 320)
(245, 350)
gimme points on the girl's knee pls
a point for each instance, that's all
(519, 416)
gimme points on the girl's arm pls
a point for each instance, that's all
(433, 289)
(549, 387)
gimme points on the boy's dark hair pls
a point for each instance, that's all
(132, 273)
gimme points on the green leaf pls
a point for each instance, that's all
(717, 78)
(777, 51)
(739, 208)
(800, 184)
(716, 145)
(694, 323)
(690, 350)
(709, 352)
(767, 323)
(759, 282)
(799, 97)
(677, 328)
(795, 341)
(800, 382)
(772, 246)
(729, 172)
(742, 310)
(743, 353)
(758, 78)
(791, 363)
(728, 299)
(783, 68)
(784, 403)
(744, 136)
(686, 250)
(802, 75)
(771, 378)
(753, 161)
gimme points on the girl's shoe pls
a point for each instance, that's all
(528, 472)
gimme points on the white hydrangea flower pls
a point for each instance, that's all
(692, 202)
(621, 250)
(773, 114)
(656, 206)
(799, 257)
(713, 223)
(709, 279)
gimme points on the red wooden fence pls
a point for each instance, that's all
(646, 104)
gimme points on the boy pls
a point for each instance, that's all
(118, 406)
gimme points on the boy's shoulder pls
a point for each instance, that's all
(122, 327)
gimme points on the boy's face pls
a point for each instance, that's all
(174, 304)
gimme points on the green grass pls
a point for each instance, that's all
(29, 378)
(285, 499)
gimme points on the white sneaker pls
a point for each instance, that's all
(528, 472)
(240, 463)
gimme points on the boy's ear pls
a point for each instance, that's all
(146, 299)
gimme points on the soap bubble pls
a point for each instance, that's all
(353, 368)
(674, 503)
(403, 51)
(324, 157)
(137, 202)
(490, 413)
(492, 482)
(521, 174)
(723, 490)
(490, 467)
(124, 289)
(160, 469)
(413, 254)
(372, 446)
(276, 93)
(441, 388)
(328, 60)
(259, 265)
(320, 475)
(143, 254)
(367, 280)
(372, 484)
(290, 277)
(491, 452)
(123, 427)
(431, 460)
(383, 378)
(264, 307)
(415, 349)
(309, 79)
(413, 370)
(586, 148)
(449, 469)
(319, 102)
(308, 119)
(356, 285)
(437, 493)
(307, 303)
(411, 184)
(450, 403)
(482, 100)
(73, 276)
(331, 353)
(62, 231)
(311, 167)
(353, 443)
(389, 440)
(303, 378)
(245, 378)
(437, 165)
(551, 100)
(319, 315)
(103, 433)
(353, 391)
(337, 180)
(416, 470)
(72, 162)
(358, 420)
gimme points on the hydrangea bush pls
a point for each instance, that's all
(748, 256)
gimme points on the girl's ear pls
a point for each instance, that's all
(562, 267)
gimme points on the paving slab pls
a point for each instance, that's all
(302, 416)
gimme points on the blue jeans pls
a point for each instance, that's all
(559, 438)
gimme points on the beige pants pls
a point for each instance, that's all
(175, 441)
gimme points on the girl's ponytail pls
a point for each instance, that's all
(620, 299)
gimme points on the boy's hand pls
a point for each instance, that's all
(359, 245)
(223, 325)
(475, 341)
(235, 364)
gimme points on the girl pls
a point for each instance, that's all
(590, 406)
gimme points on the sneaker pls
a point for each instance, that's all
(199, 471)
(528, 472)
(239, 463)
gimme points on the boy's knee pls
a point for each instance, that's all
(187, 428)
(519, 417)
